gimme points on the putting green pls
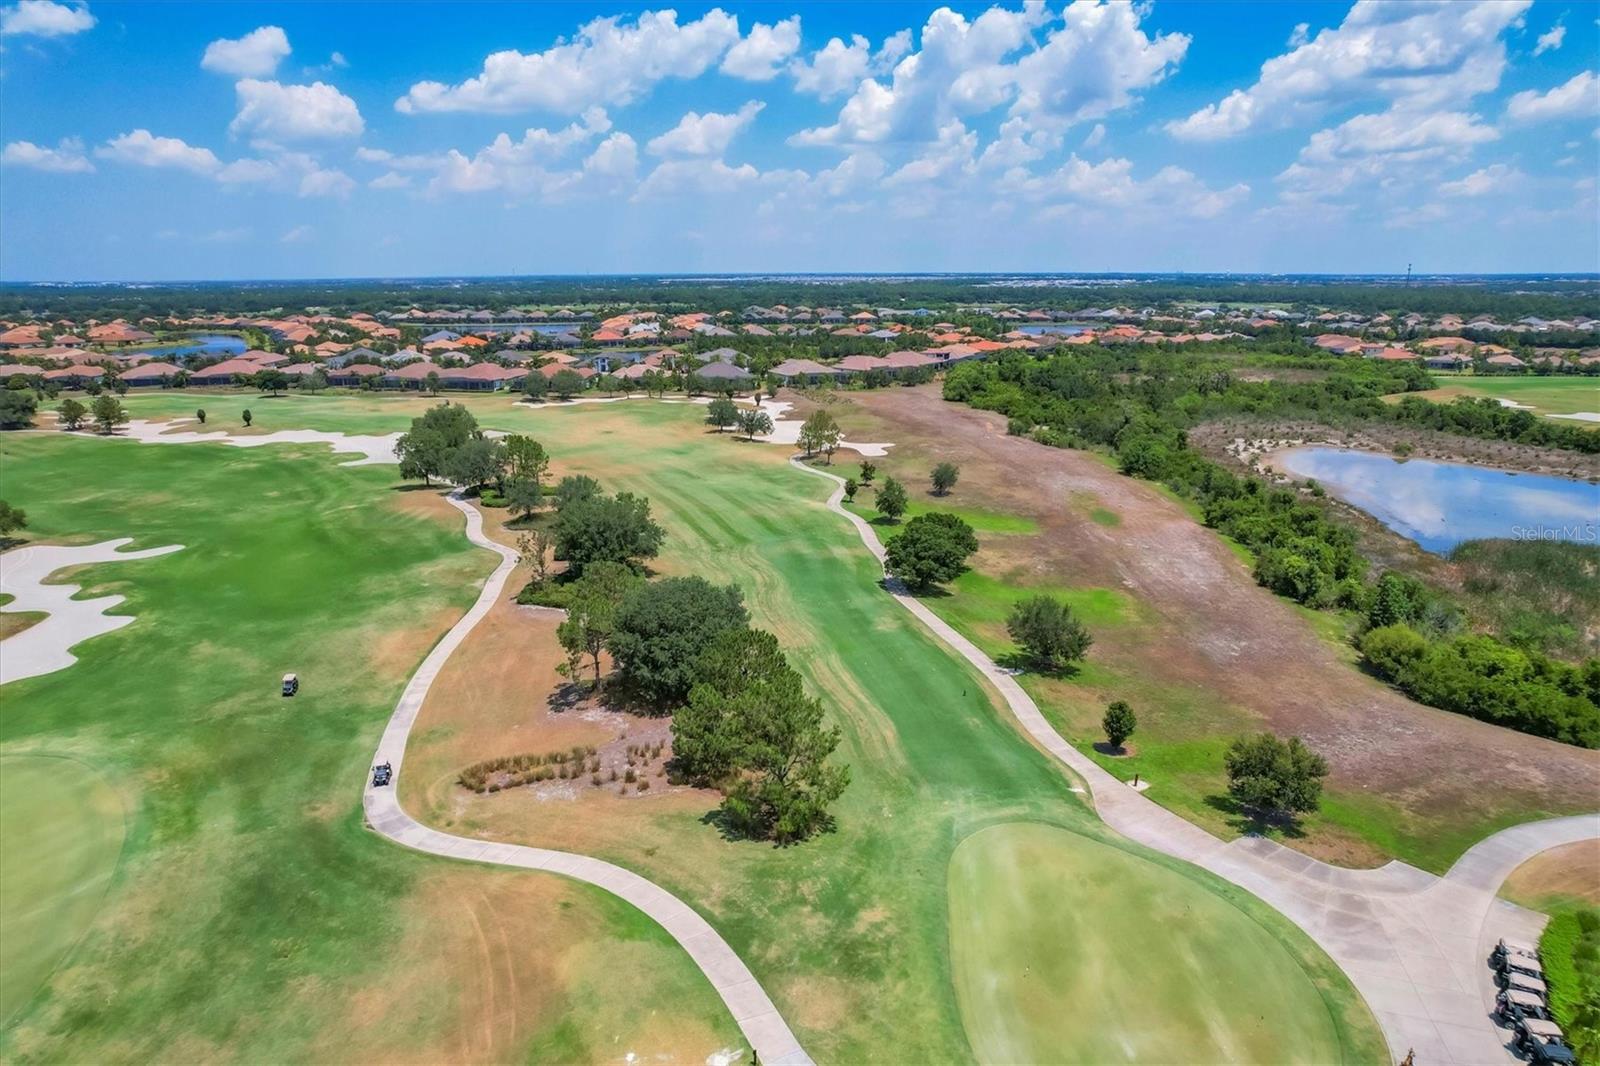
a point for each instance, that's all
(60, 835)
(1068, 949)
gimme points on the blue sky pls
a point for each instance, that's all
(237, 140)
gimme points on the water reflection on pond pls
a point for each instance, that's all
(1439, 505)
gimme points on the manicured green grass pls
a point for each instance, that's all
(253, 916)
(1053, 935)
(981, 521)
(1546, 395)
(849, 932)
(61, 828)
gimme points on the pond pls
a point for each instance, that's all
(1065, 329)
(1439, 505)
(203, 344)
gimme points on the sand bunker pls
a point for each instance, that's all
(787, 430)
(43, 648)
(373, 450)
(1581, 416)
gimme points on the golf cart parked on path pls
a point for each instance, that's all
(382, 774)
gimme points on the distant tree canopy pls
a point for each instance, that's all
(107, 412)
(722, 413)
(11, 518)
(17, 408)
(1506, 298)
(71, 414)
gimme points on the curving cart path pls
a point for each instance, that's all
(1415, 945)
(754, 1012)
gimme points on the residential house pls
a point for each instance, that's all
(152, 373)
(74, 376)
(353, 374)
(223, 373)
(715, 375)
(805, 371)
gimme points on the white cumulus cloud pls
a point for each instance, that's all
(837, 68)
(608, 62)
(1423, 52)
(142, 148)
(1497, 177)
(763, 51)
(65, 158)
(704, 135)
(275, 111)
(1092, 60)
(1578, 97)
(255, 55)
(1550, 40)
(43, 18)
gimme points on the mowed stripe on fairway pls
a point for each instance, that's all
(1069, 949)
(61, 829)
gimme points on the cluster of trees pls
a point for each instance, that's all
(722, 412)
(741, 719)
(749, 729)
(1485, 678)
(106, 412)
(1414, 638)
(445, 442)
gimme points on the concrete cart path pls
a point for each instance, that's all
(1416, 946)
(749, 1004)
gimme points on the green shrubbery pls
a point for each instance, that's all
(1485, 678)
(1570, 951)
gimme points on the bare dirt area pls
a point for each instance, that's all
(501, 695)
(1561, 875)
(1213, 645)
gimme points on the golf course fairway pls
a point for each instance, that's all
(1068, 949)
(248, 845)
(61, 831)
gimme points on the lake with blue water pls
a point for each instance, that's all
(1439, 505)
(204, 344)
(1065, 329)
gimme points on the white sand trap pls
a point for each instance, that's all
(787, 430)
(373, 450)
(1581, 416)
(43, 648)
(1513, 404)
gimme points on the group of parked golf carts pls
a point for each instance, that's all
(1524, 1006)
